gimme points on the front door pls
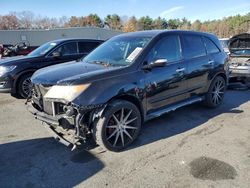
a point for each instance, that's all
(166, 85)
(67, 51)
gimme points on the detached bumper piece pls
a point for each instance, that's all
(42, 116)
(69, 128)
(65, 134)
(57, 136)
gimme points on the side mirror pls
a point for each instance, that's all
(157, 63)
(56, 54)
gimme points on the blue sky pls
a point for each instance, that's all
(191, 9)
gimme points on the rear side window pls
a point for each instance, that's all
(167, 48)
(194, 46)
(69, 48)
(211, 47)
(86, 47)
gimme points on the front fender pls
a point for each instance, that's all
(102, 91)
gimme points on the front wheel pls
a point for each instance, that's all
(216, 92)
(24, 86)
(119, 126)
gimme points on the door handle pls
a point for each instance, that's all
(180, 70)
(211, 62)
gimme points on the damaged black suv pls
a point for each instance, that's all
(126, 81)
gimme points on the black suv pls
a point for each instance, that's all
(126, 81)
(15, 72)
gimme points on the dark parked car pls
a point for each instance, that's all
(126, 81)
(15, 72)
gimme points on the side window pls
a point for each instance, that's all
(194, 46)
(166, 48)
(86, 47)
(67, 49)
(211, 47)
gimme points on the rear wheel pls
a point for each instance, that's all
(119, 126)
(216, 92)
(24, 86)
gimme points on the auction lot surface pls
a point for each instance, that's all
(191, 147)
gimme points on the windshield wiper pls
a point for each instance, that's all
(104, 63)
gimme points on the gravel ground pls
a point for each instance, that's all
(191, 147)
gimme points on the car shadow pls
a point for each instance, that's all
(187, 118)
(45, 163)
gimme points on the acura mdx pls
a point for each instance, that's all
(129, 79)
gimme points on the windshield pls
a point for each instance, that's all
(43, 49)
(119, 51)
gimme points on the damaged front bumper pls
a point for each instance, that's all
(68, 130)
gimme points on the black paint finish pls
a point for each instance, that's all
(151, 89)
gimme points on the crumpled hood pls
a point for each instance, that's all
(67, 73)
(241, 41)
(16, 60)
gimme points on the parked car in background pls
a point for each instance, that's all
(22, 48)
(239, 47)
(224, 42)
(126, 81)
(15, 72)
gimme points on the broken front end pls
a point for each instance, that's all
(69, 123)
(239, 47)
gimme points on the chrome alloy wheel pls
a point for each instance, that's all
(122, 128)
(218, 92)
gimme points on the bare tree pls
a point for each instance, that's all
(26, 19)
(9, 22)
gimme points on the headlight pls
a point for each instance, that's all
(5, 69)
(68, 93)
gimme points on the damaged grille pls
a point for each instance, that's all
(49, 107)
(38, 93)
(40, 90)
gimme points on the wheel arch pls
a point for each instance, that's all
(132, 99)
(19, 75)
(222, 74)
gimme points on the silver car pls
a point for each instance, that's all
(239, 47)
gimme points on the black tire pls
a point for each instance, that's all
(215, 95)
(124, 134)
(22, 86)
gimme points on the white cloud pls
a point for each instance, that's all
(170, 11)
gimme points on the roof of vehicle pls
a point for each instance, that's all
(153, 33)
(76, 39)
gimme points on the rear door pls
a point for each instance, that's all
(166, 85)
(198, 62)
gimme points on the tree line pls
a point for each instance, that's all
(224, 27)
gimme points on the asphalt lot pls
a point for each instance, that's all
(191, 147)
